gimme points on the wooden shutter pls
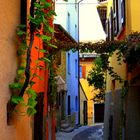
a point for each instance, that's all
(83, 71)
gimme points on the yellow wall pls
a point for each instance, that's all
(119, 69)
(109, 5)
(132, 16)
(132, 24)
(89, 92)
(82, 99)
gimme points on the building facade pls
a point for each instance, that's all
(69, 22)
(18, 125)
(121, 21)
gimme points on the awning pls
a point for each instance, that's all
(62, 35)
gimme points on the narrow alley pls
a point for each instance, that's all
(83, 133)
(69, 70)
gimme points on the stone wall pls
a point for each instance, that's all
(112, 116)
(132, 130)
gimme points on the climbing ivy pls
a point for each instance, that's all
(127, 50)
(41, 13)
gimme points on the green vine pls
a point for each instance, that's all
(52, 80)
(41, 13)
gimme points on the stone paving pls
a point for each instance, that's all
(83, 133)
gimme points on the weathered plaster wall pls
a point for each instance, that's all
(112, 116)
(9, 19)
(22, 123)
(132, 130)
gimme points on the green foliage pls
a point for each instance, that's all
(31, 111)
(16, 86)
(16, 99)
(52, 80)
(42, 15)
(131, 51)
(96, 78)
(127, 50)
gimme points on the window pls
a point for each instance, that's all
(76, 103)
(115, 17)
(75, 4)
(68, 63)
(69, 103)
(111, 25)
(68, 23)
(108, 30)
(76, 68)
(82, 71)
(122, 12)
(76, 34)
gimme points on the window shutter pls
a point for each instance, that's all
(83, 71)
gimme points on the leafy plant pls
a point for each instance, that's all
(96, 78)
(41, 14)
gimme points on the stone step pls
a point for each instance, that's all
(63, 121)
(65, 125)
(67, 130)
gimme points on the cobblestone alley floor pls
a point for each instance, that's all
(83, 133)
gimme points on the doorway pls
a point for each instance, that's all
(85, 112)
(69, 112)
(38, 118)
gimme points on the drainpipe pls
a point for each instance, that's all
(78, 64)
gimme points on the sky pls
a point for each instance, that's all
(90, 27)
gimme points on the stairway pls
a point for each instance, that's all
(66, 126)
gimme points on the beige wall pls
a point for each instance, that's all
(9, 19)
(22, 123)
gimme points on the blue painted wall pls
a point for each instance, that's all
(67, 16)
